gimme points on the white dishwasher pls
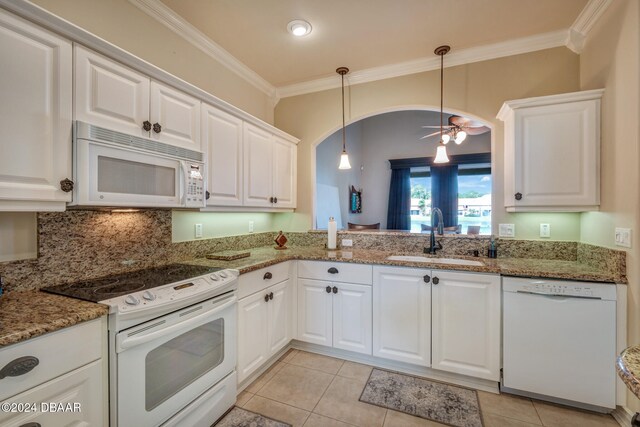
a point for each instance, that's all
(559, 341)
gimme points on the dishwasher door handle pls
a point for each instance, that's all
(557, 295)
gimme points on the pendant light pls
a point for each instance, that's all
(441, 152)
(344, 157)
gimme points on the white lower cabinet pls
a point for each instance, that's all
(466, 324)
(264, 326)
(402, 314)
(57, 379)
(335, 314)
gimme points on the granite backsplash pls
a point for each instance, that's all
(78, 245)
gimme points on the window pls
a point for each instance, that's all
(474, 197)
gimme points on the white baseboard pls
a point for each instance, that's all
(622, 415)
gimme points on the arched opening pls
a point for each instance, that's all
(361, 195)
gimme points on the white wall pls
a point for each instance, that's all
(378, 139)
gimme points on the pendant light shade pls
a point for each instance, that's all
(441, 152)
(460, 136)
(344, 161)
(441, 155)
(344, 157)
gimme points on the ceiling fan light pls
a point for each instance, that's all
(344, 161)
(446, 138)
(461, 136)
(441, 155)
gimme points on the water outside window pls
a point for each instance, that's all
(474, 201)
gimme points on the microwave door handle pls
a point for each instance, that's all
(183, 183)
(144, 338)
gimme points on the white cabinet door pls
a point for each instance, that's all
(222, 144)
(284, 173)
(315, 312)
(552, 152)
(402, 314)
(352, 317)
(258, 166)
(466, 324)
(178, 115)
(279, 308)
(82, 387)
(35, 116)
(110, 95)
(253, 338)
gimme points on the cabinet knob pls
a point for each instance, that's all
(157, 128)
(267, 275)
(436, 280)
(270, 199)
(207, 195)
(270, 295)
(335, 290)
(328, 289)
(332, 270)
(275, 200)
(19, 366)
(266, 298)
(426, 278)
(518, 196)
(146, 125)
(66, 185)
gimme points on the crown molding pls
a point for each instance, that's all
(170, 19)
(584, 23)
(464, 56)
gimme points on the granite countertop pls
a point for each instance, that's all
(28, 314)
(628, 367)
(523, 267)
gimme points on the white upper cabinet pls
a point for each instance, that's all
(284, 173)
(113, 96)
(222, 144)
(35, 116)
(110, 95)
(552, 152)
(258, 166)
(175, 117)
(466, 324)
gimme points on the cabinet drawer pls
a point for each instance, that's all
(80, 392)
(57, 353)
(340, 271)
(250, 283)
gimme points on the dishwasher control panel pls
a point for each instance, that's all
(605, 291)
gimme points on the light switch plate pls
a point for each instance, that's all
(198, 231)
(623, 237)
(250, 226)
(506, 230)
(545, 230)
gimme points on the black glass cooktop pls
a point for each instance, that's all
(104, 288)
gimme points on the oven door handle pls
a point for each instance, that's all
(129, 342)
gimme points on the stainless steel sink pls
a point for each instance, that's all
(447, 261)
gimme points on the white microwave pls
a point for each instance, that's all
(113, 169)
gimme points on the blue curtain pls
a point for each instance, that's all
(398, 214)
(444, 192)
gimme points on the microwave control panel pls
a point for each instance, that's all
(195, 185)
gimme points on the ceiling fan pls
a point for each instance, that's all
(458, 129)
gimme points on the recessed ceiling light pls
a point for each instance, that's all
(299, 27)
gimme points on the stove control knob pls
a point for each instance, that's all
(214, 277)
(131, 300)
(148, 296)
(223, 274)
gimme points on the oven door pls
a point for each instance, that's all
(166, 363)
(111, 176)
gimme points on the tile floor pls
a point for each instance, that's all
(306, 389)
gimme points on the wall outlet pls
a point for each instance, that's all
(198, 231)
(250, 226)
(545, 230)
(506, 230)
(347, 243)
(623, 237)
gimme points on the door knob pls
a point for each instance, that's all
(518, 196)
(426, 278)
(328, 289)
(157, 128)
(335, 290)
(266, 298)
(66, 185)
(270, 295)
(436, 280)
(146, 125)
